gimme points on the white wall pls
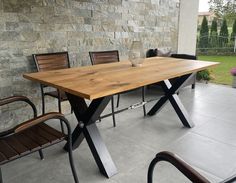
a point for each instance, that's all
(188, 26)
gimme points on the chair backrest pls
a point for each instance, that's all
(103, 57)
(51, 61)
(184, 56)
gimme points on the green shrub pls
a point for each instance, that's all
(204, 75)
(233, 34)
(204, 34)
(224, 34)
(213, 40)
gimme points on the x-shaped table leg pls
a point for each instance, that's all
(86, 128)
(170, 94)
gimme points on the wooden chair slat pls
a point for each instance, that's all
(3, 159)
(41, 132)
(26, 141)
(52, 131)
(60, 65)
(16, 144)
(52, 67)
(7, 151)
(60, 59)
(45, 58)
(36, 138)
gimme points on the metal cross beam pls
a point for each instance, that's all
(170, 94)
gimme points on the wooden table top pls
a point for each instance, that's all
(97, 81)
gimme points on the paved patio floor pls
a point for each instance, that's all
(210, 147)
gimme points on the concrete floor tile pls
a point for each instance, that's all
(207, 154)
(220, 130)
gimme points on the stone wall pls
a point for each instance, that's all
(76, 26)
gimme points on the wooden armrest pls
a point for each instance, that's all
(182, 166)
(9, 100)
(30, 123)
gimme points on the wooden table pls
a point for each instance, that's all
(98, 83)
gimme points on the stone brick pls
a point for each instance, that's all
(2, 27)
(23, 6)
(65, 27)
(1, 5)
(38, 11)
(56, 19)
(87, 21)
(9, 17)
(31, 18)
(82, 12)
(61, 2)
(29, 36)
(115, 2)
(48, 2)
(9, 36)
(43, 27)
(12, 26)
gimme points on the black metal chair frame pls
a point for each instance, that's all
(118, 95)
(28, 125)
(182, 166)
(43, 93)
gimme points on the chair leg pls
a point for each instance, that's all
(41, 154)
(1, 181)
(59, 107)
(193, 86)
(71, 110)
(43, 104)
(71, 159)
(113, 111)
(118, 100)
(143, 99)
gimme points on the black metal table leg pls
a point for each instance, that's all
(170, 94)
(86, 128)
(158, 106)
(99, 151)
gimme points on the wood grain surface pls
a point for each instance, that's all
(101, 80)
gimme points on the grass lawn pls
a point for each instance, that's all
(221, 73)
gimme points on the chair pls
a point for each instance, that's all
(182, 166)
(104, 57)
(47, 62)
(32, 135)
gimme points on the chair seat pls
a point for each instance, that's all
(30, 140)
(56, 95)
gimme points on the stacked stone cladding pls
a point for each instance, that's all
(76, 26)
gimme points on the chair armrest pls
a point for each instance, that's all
(30, 123)
(12, 99)
(182, 166)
